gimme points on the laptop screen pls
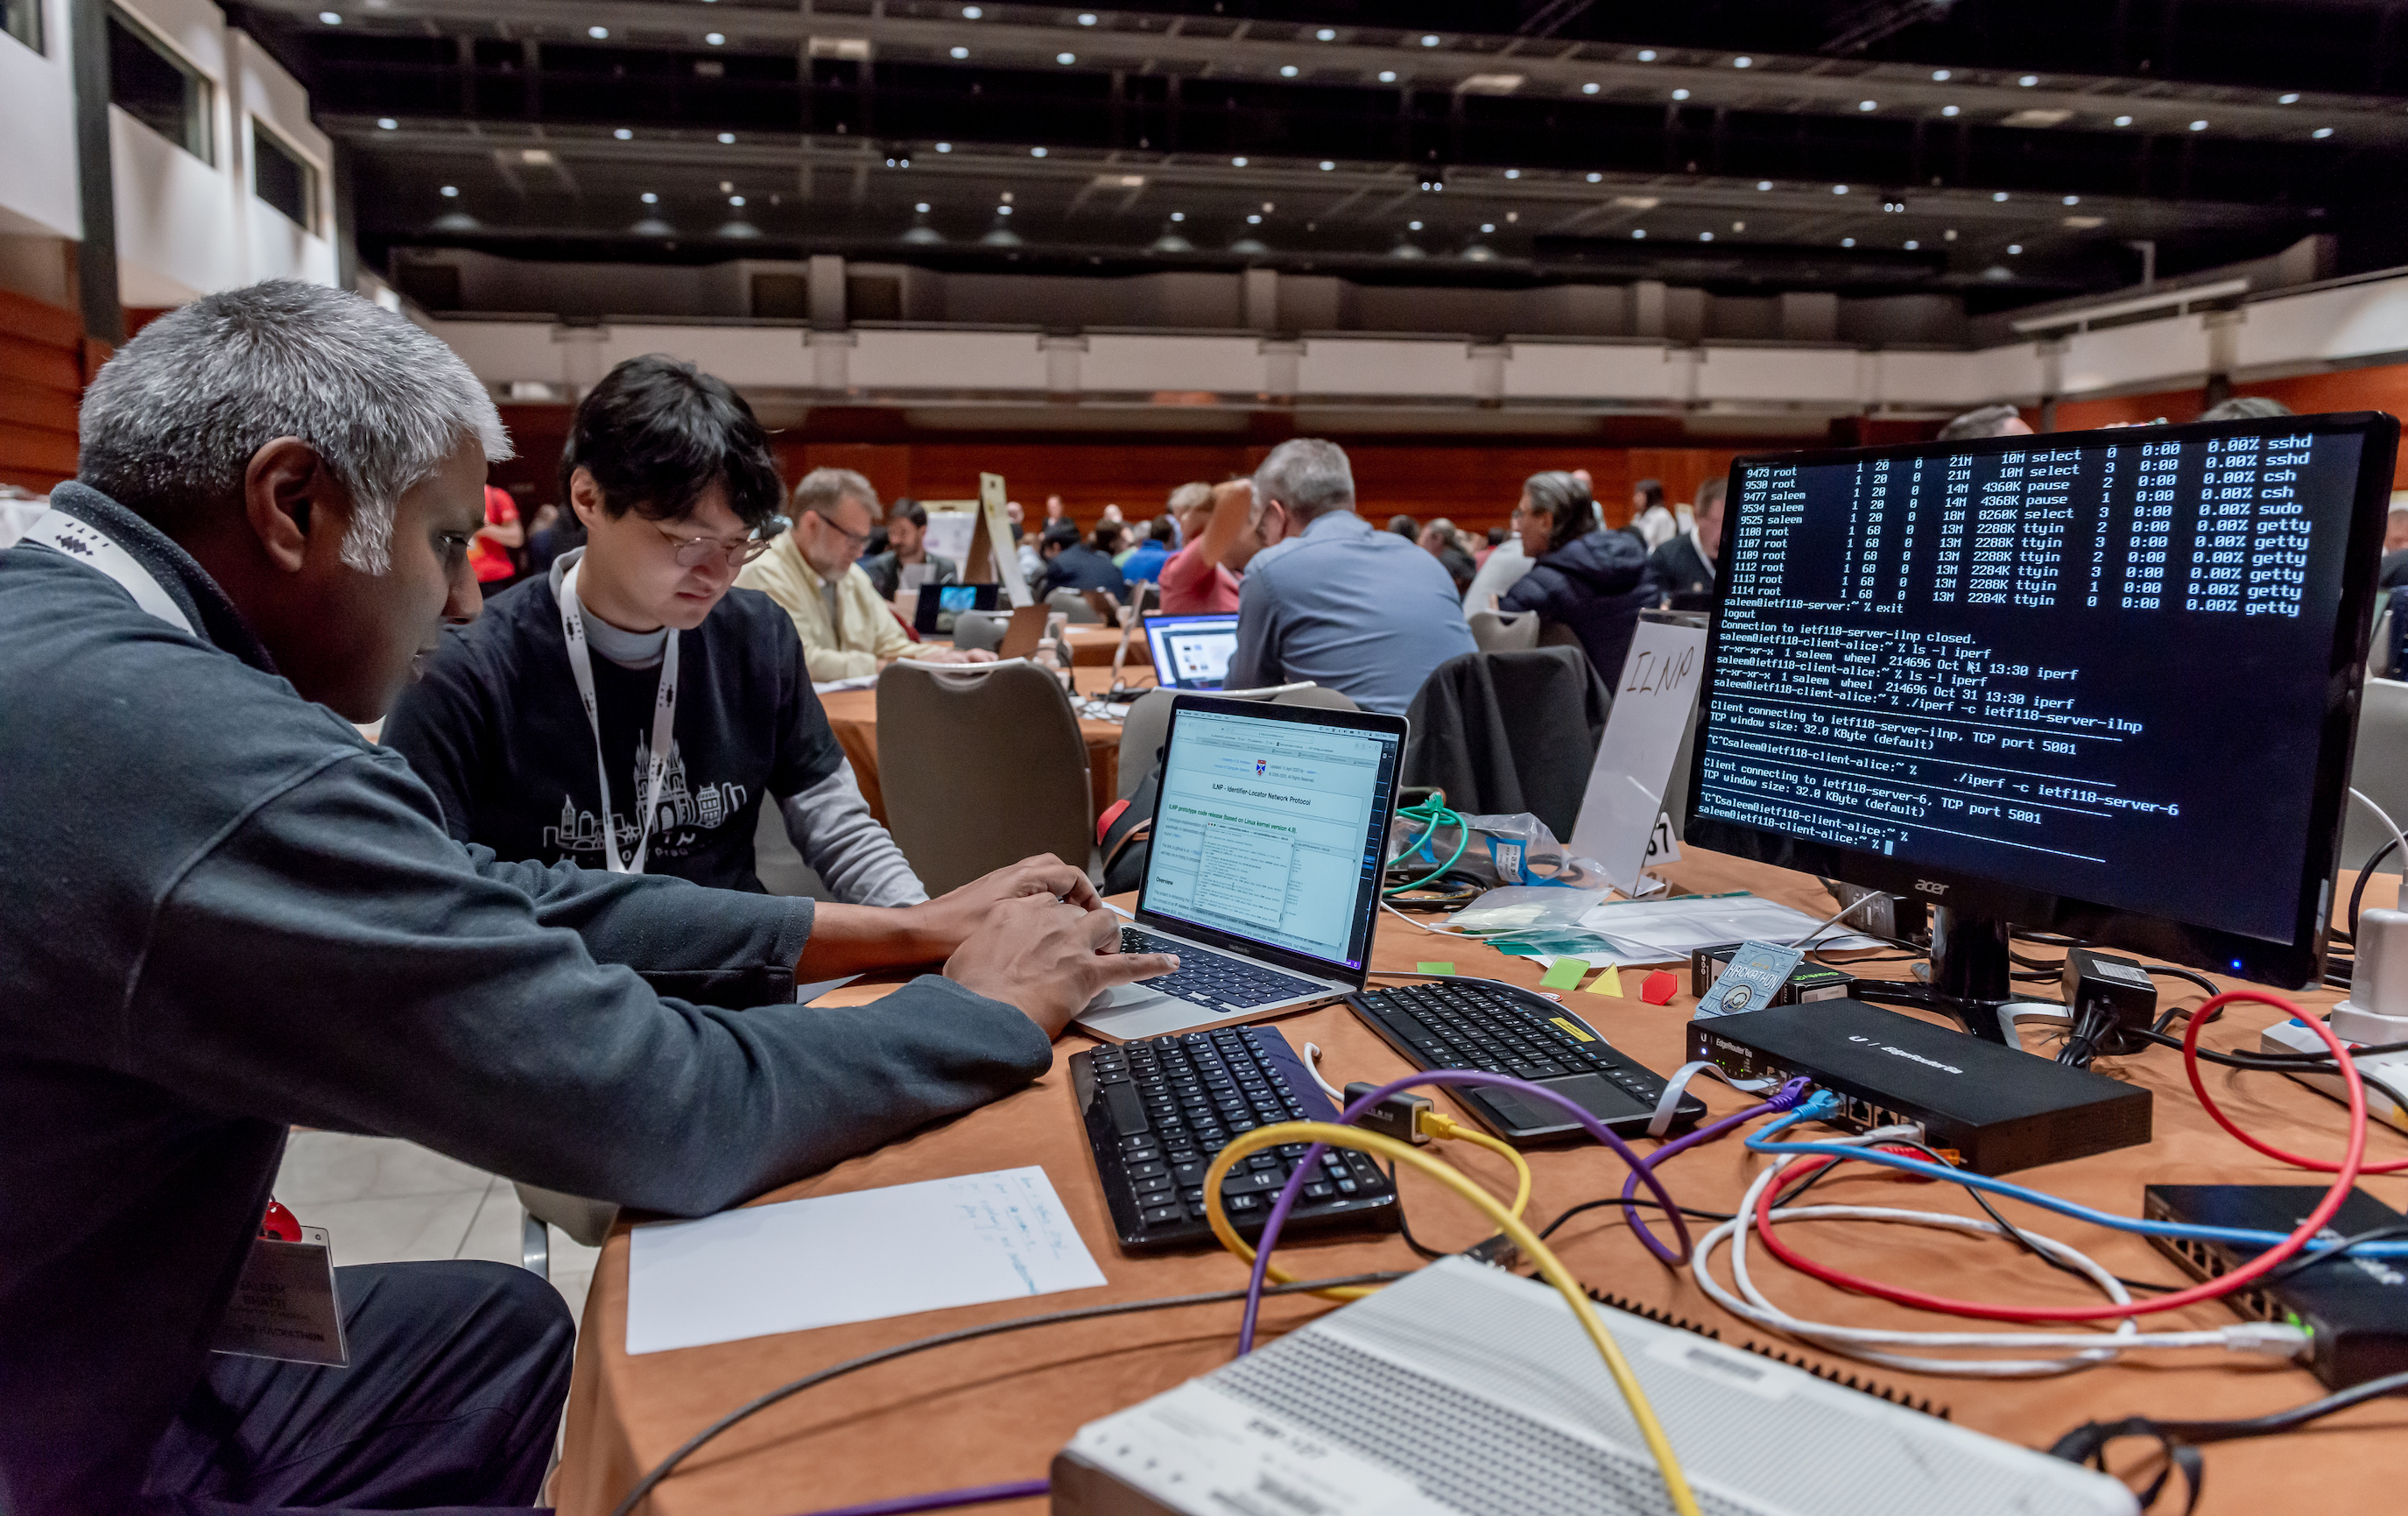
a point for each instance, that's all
(1191, 652)
(1270, 829)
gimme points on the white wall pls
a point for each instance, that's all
(37, 157)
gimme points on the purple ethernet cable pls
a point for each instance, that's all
(1304, 1169)
(1784, 1099)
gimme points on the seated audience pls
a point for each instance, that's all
(493, 553)
(848, 631)
(287, 480)
(1328, 599)
(1649, 519)
(907, 563)
(1144, 563)
(1685, 565)
(1987, 421)
(1592, 581)
(1437, 539)
(2247, 408)
(552, 538)
(672, 476)
(1197, 580)
(1499, 571)
(1405, 527)
(2395, 543)
(1071, 564)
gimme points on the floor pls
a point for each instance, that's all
(383, 1200)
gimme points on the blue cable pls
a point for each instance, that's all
(1761, 1142)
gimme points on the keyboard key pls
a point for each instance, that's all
(1159, 1215)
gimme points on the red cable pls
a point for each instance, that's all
(2345, 1173)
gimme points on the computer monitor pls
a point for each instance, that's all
(1191, 652)
(2101, 684)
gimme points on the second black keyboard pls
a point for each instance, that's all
(1503, 1029)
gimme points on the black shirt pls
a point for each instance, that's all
(1081, 566)
(497, 732)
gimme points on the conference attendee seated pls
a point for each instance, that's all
(1329, 598)
(672, 478)
(1218, 524)
(1986, 421)
(1144, 564)
(1593, 581)
(907, 563)
(276, 493)
(2247, 408)
(1684, 567)
(1650, 521)
(848, 629)
(1437, 539)
(1074, 564)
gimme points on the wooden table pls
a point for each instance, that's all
(1092, 647)
(852, 714)
(998, 1409)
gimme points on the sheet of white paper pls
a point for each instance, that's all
(1634, 760)
(1665, 930)
(855, 1257)
(858, 681)
(949, 530)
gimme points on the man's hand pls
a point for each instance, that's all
(953, 654)
(1048, 957)
(855, 939)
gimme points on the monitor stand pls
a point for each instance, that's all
(1969, 975)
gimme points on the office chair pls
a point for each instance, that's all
(981, 769)
(1496, 631)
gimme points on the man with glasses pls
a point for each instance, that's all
(626, 711)
(815, 573)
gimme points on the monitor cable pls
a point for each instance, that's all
(2181, 1441)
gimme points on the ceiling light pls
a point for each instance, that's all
(599, 34)
(945, 147)
(1003, 210)
(1086, 18)
(716, 39)
(1237, 163)
(1431, 41)
(1847, 241)
(2321, 132)
(1513, 173)
(1940, 76)
(1487, 226)
(1590, 88)
(1647, 56)
(2073, 200)
(1287, 70)
(2291, 99)
(1388, 76)
(1949, 236)
(1739, 226)
(1639, 232)
(922, 207)
(1413, 225)
(2198, 126)
(2085, 223)
(1764, 184)
(727, 186)
(736, 200)
(1948, 110)
(1179, 215)
(2123, 120)
(624, 135)
(1036, 152)
(330, 17)
(1596, 177)
(2029, 80)
(1705, 237)
(1743, 62)
(386, 124)
(1253, 221)
(1912, 244)
(649, 198)
(1638, 202)
(1680, 94)
(450, 192)
(971, 13)
(1998, 198)
(1839, 189)
(1326, 35)
(1327, 165)
(1868, 105)
(961, 52)
(1066, 59)
(728, 139)
(2014, 247)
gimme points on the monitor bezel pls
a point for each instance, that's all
(1365, 922)
(2297, 964)
(1169, 679)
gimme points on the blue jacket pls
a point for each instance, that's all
(227, 913)
(1596, 585)
(1145, 564)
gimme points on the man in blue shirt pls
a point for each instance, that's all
(1330, 599)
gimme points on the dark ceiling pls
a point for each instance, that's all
(2008, 151)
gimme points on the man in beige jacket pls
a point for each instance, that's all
(813, 572)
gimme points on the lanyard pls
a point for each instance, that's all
(94, 548)
(581, 663)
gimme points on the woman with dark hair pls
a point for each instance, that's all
(1591, 580)
(1648, 517)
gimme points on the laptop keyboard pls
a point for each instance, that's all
(1215, 980)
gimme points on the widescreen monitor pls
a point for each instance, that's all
(2101, 684)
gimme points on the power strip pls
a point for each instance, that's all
(2385, 1075)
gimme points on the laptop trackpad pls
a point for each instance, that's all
(1120, 995)
(1598, 1096)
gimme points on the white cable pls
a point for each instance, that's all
(1667, 1107)
(1434, 931)
(1312, 1066)
(2359, 796)
(2068, 1351)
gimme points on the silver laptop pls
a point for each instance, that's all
(1192, 651)
(1264, 870)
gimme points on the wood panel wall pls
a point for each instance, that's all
(42, 369)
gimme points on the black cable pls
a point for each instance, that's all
(1404, 1227)
(1690, 1211)
(2273, 1062)
(2358, 892)
(2308, 1260)
(2054, 965)
(661, 1470)
(2087, 1443)
(2202, 980)
(2046, 939)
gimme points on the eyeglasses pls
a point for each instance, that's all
(857, 540)
(694, 551)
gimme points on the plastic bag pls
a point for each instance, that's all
(1500, 850)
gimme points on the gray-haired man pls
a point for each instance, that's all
(229, 914)
(1329, 598)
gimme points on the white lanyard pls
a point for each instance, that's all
(581, 663)
(94, 549)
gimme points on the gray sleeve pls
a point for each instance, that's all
(335, 960)
(831, 826)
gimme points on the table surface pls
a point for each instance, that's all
(852, 716)
(998, 1409)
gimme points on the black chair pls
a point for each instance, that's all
(1505, 732)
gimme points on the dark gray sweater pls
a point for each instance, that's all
(221, 912)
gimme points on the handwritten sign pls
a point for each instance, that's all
(1618, 814)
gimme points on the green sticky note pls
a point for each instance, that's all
(1434, 968)
(1564, 974)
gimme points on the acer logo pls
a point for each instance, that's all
(1932, 886)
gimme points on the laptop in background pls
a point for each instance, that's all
(933, 614)
(1192, 651)
(1264, 871)
(1028, 630)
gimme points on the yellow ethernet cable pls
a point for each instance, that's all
(1676, 1484)
(1447, 1129)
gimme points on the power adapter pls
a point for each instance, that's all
(2115, 988)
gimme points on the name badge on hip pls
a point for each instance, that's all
(284, 1306)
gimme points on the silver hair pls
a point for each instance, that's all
(1984, 422)
(1308, 476)
(1195, 497)
(171, 423)
(823, 489)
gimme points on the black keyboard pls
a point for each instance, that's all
(1459, 1024)
(1217, 981)
(1157, 1111)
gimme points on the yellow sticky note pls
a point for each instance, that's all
(1572, 1028)
(1434, 968)
(1565, 973)
(1607, 983)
